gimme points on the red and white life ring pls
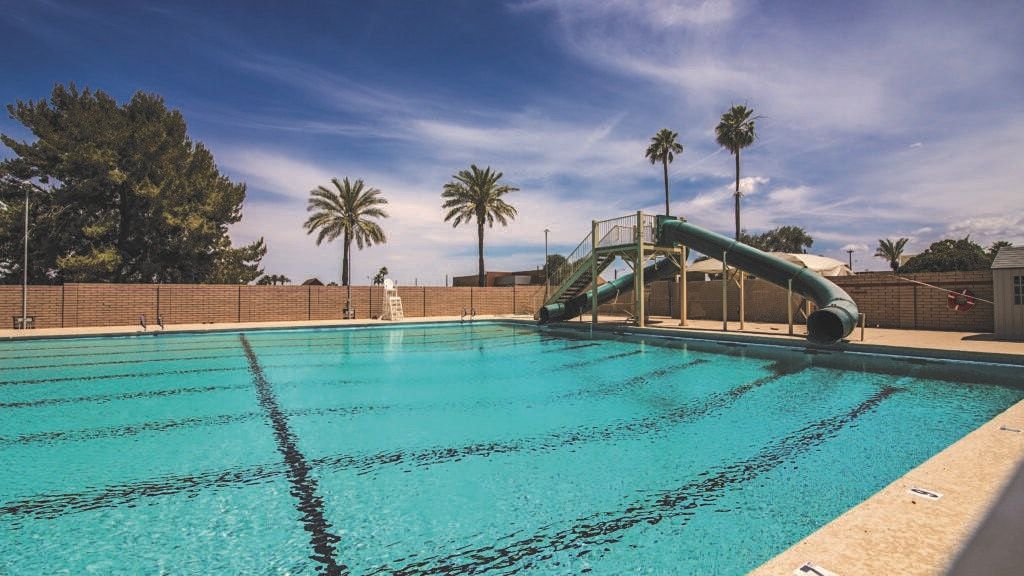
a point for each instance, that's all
(961, 301)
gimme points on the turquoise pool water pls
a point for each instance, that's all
(450, 449)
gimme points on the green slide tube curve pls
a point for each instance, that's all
(835, 318)
(837, 313)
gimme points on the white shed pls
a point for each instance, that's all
(1008, 288)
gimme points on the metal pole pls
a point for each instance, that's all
(789, 305)
(725, 297)
(547, 270)
(24, 272)
(639, 273)
(593, 272)
(743, 299)
(682, 287)
(850, 254)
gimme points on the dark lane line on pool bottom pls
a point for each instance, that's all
(126, 396)
(118, 343)
(158, 425)
(304, 485)
(225, 419)
(134, 375)
(50, 506)
(165, 425)
(232, 345)
(121, 376)
(603, 528)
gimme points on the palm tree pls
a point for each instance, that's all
(891, 251)
(347, 211)
(476, 194)
(735, 132)
(663, 149)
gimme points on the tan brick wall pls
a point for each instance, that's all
(194, 304)
(448, 301)
(45, 304)
(887, 302)
(274, 303)
(108, 304)
(892, 303)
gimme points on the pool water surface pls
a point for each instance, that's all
(480, 448)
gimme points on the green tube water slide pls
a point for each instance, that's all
(835, 318)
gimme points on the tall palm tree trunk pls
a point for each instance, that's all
(481, 279)
(737, 194)
(347, 250)
(664, 165)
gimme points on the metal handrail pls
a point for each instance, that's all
(619, 231)
(573, 262)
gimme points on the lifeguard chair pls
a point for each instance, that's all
(392, 302)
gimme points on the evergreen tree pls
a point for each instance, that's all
(949, 255)
(121, 194)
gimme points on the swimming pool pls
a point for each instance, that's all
(451, 449)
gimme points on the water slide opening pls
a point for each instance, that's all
(825, 326)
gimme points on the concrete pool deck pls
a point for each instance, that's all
(895, 531)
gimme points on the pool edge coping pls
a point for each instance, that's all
(800, 343)
(895, 531)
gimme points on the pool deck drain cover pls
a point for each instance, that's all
(810, 569)
(926, 493)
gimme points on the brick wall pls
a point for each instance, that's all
(887, 301)
(74, 305)
(892, 303)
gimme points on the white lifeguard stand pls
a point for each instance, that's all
(392, 302)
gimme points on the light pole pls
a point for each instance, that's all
(547, 271)
(24, 272)
(849, 252)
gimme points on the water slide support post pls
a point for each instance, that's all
(725, 296)
(789, 305)
(743, 298)
(593, 272)
(640, 269)
(682, 286)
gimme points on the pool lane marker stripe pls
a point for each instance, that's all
(304, 485)
(116, 397)
(49, 506)
(587, 533)
(303, 348)
(149, 345)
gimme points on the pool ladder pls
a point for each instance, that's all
(159, 321)
(471, 313)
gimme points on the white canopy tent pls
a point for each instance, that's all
(820, 264)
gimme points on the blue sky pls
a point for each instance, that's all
(882, 119)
